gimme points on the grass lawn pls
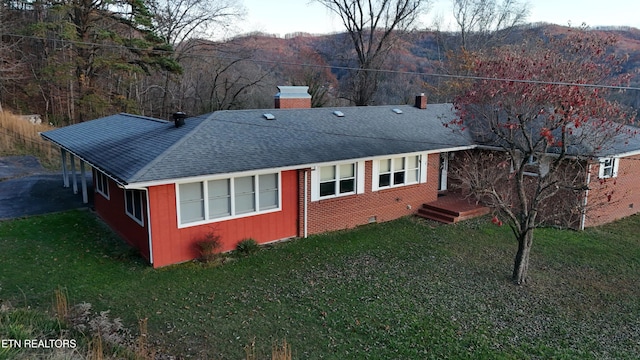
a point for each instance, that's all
(407, 289)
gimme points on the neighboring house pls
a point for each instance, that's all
(276, 174)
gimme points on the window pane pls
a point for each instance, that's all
(218, 188)
(347, 171)
(412, 176)
(268, 191)
(398, 163)
(385, 166)
(398, 178)
(244, 195)
(414, 162)
(328, 188)
(137, 204)
(385, 180)
(327, 173)
(128, 195)
(219, 207)
(191, 202)
(347, 186)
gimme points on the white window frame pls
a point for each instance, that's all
(101, 184)
(136, 195)
(359, 178)
(205, 193)
(610, 164)
(422, 171)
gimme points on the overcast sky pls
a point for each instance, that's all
(287, 16)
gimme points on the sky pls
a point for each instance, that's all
(287, 16)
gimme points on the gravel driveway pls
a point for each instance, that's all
(26, 188)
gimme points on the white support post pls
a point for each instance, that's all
(65, 174)
(73, 174)
(83, 181)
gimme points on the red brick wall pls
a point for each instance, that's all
(350, 211)
(173, 245)
(292, 103)
(112, 211)
(624, 192)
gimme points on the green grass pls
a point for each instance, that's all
(406, 289)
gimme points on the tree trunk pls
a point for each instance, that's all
(521, 265)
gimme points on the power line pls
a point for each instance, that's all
(348, 68)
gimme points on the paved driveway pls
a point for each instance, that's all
(26, 188)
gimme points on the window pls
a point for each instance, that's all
(226, 198)
(337, 180)
(398, 171)
(133, 205)
(102, 184)
(608, 168)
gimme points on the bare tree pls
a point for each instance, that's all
(373, 26)
(545, 130)
(483, 23)
(10, 63)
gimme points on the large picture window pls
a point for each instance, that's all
(227, 198)
(133, 205)
(102, 184)
(397, 171)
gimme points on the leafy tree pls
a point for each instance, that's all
(543, 129)
(372, 26)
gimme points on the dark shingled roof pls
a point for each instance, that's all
(135, 149)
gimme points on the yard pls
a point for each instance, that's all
(407, 289)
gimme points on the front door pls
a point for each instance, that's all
(444, 168)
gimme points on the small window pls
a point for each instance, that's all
(102, 184)
(219, 198)
(134, 204)
(608, 168)
(268, 185)
(337, 180)
(245, 194)
(191, 202)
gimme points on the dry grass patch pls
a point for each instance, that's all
(19, 137)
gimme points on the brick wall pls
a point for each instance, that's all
(614, 198)
(383, 205)
(292, 103)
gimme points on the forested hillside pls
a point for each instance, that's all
(75, 61)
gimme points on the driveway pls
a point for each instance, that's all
(26, 188)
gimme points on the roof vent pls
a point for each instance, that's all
(178, 118)
(338, 113)
(397, 111)
(269, 116)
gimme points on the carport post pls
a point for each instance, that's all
(65, 175)
(73, 174)
(83, 181)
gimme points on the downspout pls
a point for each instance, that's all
(583, 220)
(305, 209)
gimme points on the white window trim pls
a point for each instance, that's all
(359, 178)
(422, 171)
(140, 198)
(614, 168)
(104, 179)
(233, 216)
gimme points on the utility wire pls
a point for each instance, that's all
(334, 67)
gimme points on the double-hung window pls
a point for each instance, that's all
(133, 205)
(228, 198)
(608, 168)
(329, 181)
(102, 184)
(397, 171)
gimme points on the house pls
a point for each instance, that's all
(273, 174)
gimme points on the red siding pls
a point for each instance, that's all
(173, 245)
(624, 191)
(353, 210)
(112, 211)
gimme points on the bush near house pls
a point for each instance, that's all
(404, 289)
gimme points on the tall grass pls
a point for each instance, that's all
(20, 137)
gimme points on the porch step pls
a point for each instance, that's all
(451, 210)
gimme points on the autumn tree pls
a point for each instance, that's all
(541, 105)
(373, 27)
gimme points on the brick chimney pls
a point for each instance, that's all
(292, 97)
(421, 101)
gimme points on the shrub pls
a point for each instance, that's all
(209, 246)
(247, 247)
